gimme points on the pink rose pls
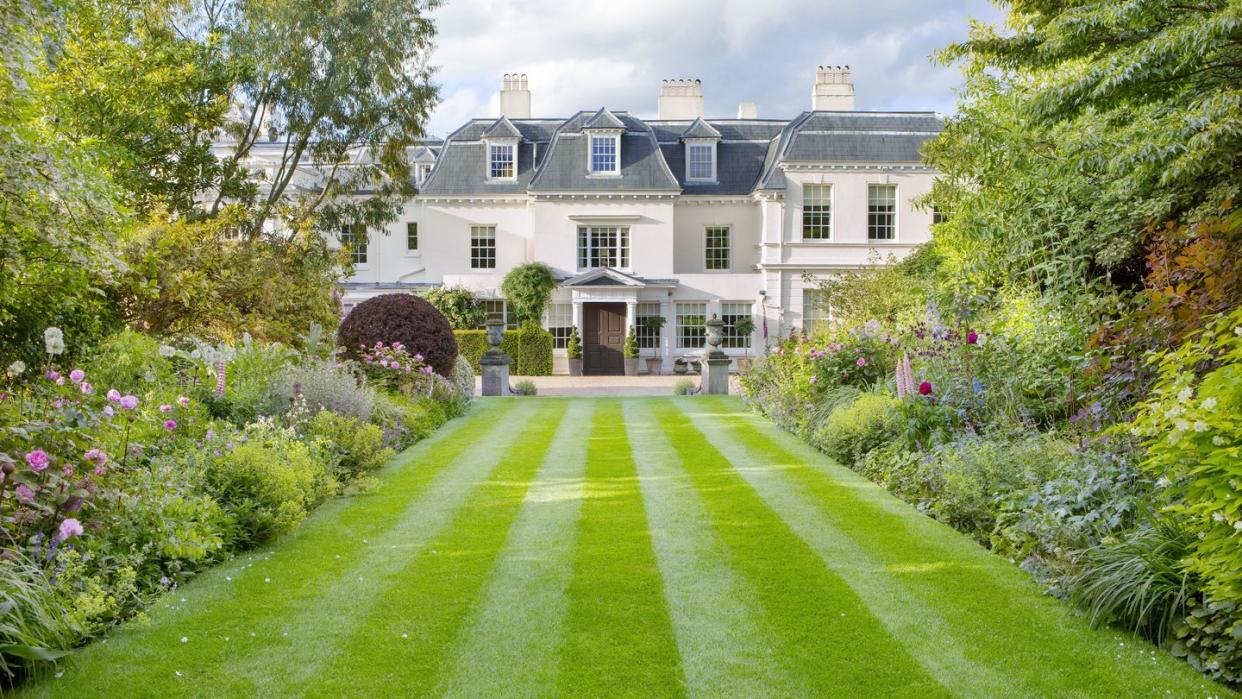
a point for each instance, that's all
(113, 395)
(862, 361)
(77, 375)
(96, 456)
(37, 459)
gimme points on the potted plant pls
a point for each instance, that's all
(679, 366)
(654, 324)
(574, 350)
(630, 352)
(744, 327)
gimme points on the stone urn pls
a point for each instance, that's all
(715, 363)
(654, 364)
(495, 362)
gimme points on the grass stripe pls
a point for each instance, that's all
(722, 639)
(511, 645)
(401, 646)
(619, 638)
(248, 611)
(821, 623)
(955, 596)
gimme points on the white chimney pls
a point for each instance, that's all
(681, 99)
(515, 96)
(747, 110)
(834, 89)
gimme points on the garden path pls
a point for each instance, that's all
(612, 547)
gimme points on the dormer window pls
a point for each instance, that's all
(701, 161)
(501, 161)
(604, 149)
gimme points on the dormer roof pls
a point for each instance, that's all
(700, 129)
(604, 119)
(502, 128)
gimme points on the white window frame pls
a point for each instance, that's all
(896, 211)
(816, 319)
(418, 241)
(511, 146)
(615, 136)
(648, 339)
(586, 246)
(728, 248)
(421, 172)
(832, 205)
(678, 336)
(710, 144)
(490, 234)
(729, 334)
(358, 255)
(559, 316)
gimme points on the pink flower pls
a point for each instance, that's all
(100, 470)
(395, 365)
(170, 424)
(814, 379)
(60, 381)
(52, 375)
(972, 338)
(77, 375)
(69, 529)
(96, 456)
(113, 395)
(220, 378)
(182, 400)
(24, 492)
(418, 357)
(426, 370)
(68, 471)
(87, 388)
(129, 402)
(38, 460)
(862, 361)
(383, 363)
(108, 411)
(925, 388)
(165, 408)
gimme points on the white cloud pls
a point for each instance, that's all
(592, 53)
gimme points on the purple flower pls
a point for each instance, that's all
(211, 434)
(113, 395)
(52, 375)
(221, 376)
(383, 363)
(68, 471)
(814, 379)
(69, 529)
(862, 361)
(38, 460)
(395, 365)
(418, 357)
(165, 408)
(129, 402)
(100, 470)
(108, 411)
(87, 388)
(972, 338)
(96, 456)
(77, 375)
(24, 492)
(182, 400)
(170, 424)
(426, 370)
(925, 388)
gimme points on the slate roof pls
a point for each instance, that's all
(552, 154)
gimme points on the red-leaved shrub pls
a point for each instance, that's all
(404, 318)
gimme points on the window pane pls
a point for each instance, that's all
(881, 211)
(716, 247)
(603, 154)
(731, 313)
(814, 315)
(690, 325)
(603, 246)
(411, 236)
(355, 237)
(816, 211)
(501, 159)
(560, 322)
(699, 162)
(483, 247)
(648, 338)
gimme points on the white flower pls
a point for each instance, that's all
(185, 639)
(1200, 426)
(1174, 436)
(1174, 411)
(167, 351)
(1237, 330)
(1238, 525)
(1208, 403)
(1219, 440)
(1163, 482)
(16, 369)
(1218, 517)
(1185, 394)
(1181, 425)
(54, 340)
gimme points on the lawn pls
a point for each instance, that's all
(606, 547)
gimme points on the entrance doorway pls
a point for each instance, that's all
(603, 339)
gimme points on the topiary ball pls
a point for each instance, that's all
(403, 318)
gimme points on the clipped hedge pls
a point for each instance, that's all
(530, 349)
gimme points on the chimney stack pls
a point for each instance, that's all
(747, 110)
(515, 96)
(834, 89)
(681, 99)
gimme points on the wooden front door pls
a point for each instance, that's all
(604, 339)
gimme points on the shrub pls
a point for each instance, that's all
(529, 348)
(855, 428)
(459, 305)
(630, 349)
(357, 448)
(684, 387)
(528, 288)
(573, 348)
(234, 381)
(404, 318)
(36, 624)
(323, 385)
(1210, 638)
(525, 388)
(463, 377)
(410, 419)
(268, 482)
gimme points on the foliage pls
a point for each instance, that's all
(529, 347)
(267, 481)
(404, 318)
(463, 377)
(744, 327)
(202, 278)
(459, 305)
(356, 448)
(573, 348)
(888, 291)
(855, 428)
(1210, 638)
(525, 387)
(36, 624)
(392, 367)
(685, 387)
(320, 385)
(1193, 437)
(630, 349)
(528, 288)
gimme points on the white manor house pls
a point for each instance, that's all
(681, 216)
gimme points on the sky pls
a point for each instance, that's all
(587, 54)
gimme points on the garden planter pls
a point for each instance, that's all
(743, 364)
(631, 366)
(653, 365)
(679, 367)
(575, 366)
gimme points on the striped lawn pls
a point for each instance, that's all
(618, 547)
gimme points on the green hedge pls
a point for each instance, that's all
(529, 348)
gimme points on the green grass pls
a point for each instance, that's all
(637, 546)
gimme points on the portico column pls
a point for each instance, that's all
(631, 315)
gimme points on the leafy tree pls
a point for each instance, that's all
(459, 305)
(528, 288)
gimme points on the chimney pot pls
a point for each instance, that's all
(680, 98)
(515, 96)
(833, 89)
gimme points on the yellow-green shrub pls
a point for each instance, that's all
(855, 428)
(356, 447)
